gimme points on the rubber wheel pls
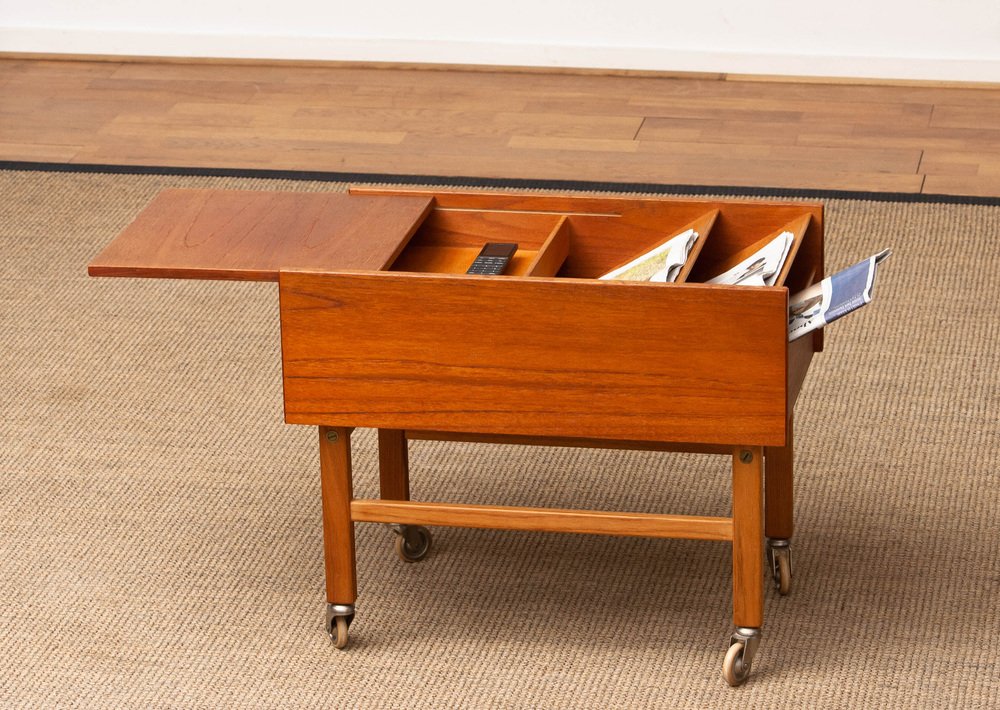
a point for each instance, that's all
(783, 577)
(339, 634)
(733, 670)
(413, 543)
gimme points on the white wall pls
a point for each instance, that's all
(902, 39)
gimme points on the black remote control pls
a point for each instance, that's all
(493, 259)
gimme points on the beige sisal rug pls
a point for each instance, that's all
(160, 526)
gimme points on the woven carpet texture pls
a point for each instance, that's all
(160, 529)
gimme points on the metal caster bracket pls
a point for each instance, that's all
(742, 649)
(338, 621)
(412, 542)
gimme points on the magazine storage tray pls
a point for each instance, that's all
(566, 355)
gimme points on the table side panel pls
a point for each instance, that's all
(800, 354)
(542, 357)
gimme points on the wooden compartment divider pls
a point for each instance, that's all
(550, 256)
(703, 226)
(798, 228)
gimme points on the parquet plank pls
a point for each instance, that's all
(977, 116)
(788, 90)
(702, 130)
(387, 96)
(953, 162)
(856, 113)
(854, 159)
(33, 152)
(139, 90)
(441, 122)
(251, 132)
(587, 145)
(976, 185)
(968, 140)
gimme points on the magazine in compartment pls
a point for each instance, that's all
(833, 297)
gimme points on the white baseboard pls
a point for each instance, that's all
(44, 40)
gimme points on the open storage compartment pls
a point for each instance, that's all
(587, 352)
(587, 237)
(449, 240)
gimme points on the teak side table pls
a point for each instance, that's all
(375, 312)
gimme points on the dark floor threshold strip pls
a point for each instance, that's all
(521, 183)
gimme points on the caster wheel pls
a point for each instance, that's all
(413, 543)
(781, 567)
(783, 575)
(734, 670)
(338, 621)
(339, 632)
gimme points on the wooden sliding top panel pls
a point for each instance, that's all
(250, 235)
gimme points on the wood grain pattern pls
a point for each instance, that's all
(250, 236)
(691, 448)
(703, 227)
(446, 226)
(548, 357)
(600, 242)
(800, 354)
(450, 239)
(393, 465)
(338, 530)
(748, 536)
(798, 227)
(674, 129)
(543, 519)
(778, 488)
(420, 258)
(978, 185)
(808, 266)
(719, 261)
(553, 252)
(732, 241)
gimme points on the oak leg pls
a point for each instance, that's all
(393, 465)
(778, 507)
(338, 529)
(748, 537)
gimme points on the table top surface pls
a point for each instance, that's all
(247, 235)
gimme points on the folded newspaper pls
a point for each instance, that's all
(833, 297)
(662, 263)
(760, 268)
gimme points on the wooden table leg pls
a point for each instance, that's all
(393, 465)
(413, 541)
(748, 563)
(778, 507)
(748, 537)
(778, 511)
(338, 530)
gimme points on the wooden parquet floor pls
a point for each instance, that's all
(693, 130)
